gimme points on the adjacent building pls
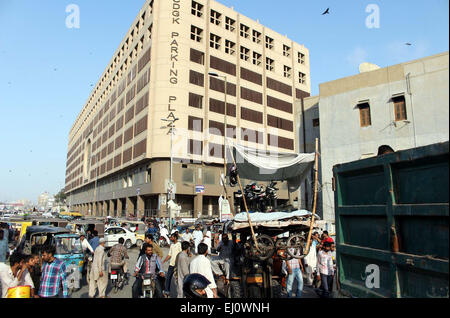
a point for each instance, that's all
(402, 106)
(118, 159)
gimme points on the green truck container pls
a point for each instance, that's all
(392, 224)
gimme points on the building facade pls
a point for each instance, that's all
(403, 106)
(118, 159)
(308, 130)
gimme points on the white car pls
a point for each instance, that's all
(113, 233)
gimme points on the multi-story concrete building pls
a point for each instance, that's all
(403, 106)
(43, 199)
(308, 130)
(118, 157)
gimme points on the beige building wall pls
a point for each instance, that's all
(157, 50)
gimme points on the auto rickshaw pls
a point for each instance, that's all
(88, 225)
(36, 237)
(70, 251)
(20, 225)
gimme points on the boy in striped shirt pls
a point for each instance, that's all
(53, 275)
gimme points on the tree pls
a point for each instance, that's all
(60, 197)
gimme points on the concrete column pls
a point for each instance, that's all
(198, 205)
(140, 206)
(111, 207)
(130, 206)
(104, 208)
(119, 207)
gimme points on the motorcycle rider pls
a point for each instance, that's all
(194, 286)
(149, 263)
(152, 229)
(118, 255)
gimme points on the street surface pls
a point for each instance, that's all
(125, 292)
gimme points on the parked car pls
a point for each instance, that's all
(112, 235)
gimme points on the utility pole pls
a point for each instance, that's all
(171, 125)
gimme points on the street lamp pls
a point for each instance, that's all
(171, 126)
(213, 74)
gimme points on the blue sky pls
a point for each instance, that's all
(46, 69)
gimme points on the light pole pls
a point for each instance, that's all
(171, 125)
(225, 123)
(213, 74)
(95, 190)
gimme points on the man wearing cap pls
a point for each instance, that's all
(99, 275)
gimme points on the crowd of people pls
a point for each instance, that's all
(189, 253)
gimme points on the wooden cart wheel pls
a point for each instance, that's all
(266, 247)
(295, 246)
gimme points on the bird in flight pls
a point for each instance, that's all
(327, 11)
(408, 44)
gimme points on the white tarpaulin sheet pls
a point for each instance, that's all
(273, 216)
(259, 165)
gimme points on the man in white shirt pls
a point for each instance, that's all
(164, 233)
(174, 249)
(201, 265)
(207, 239)
(187, 236)
(15, 274)
(198, 237)
(85, 244)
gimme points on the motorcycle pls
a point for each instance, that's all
(117, 277)
(162, 242)
(148, 285)
(271, 194)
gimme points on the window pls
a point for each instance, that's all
(301, 58)
(197, 57)
(230, 47)
(302, 78)
(269, 43)
(215, 17)
(256, 36)
(316, 122)
(287, 71)
(364, 114)
(195, 100)
(245, 31)
(196, 78)
(270, 64)
(257, 58)
(214, 41)
(230, 24)
(197, 9)
(196, 34)
(399, 108)
(245, 53)
(286, 51)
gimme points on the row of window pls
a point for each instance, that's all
(195, 147)
(399, 111)
(255, 58)
(217, 19)
(135, 32)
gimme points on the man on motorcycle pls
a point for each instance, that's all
(118, 254)
(152, 229)
(148, 263)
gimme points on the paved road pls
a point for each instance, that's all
(126, 290)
